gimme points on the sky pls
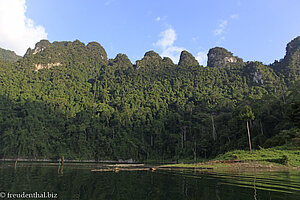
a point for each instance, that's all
(256, 30)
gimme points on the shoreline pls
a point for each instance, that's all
(66, 160)
(231, 166)
(137, 166)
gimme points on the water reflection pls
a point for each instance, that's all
(254, 187)
(78, 182)
(61, 165)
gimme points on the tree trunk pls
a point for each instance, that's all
(228, 138)
(195, 150)
(249, 137)
(214, 134)
(284, 101)
(261, 128)
(183, 135)
(151, 138)
(86, 135)
(182, 140)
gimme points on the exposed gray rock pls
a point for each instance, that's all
(220, 58)
(257, 77)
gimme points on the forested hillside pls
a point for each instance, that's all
(67, 98)
(10, 56)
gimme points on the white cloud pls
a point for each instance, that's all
(167, 38)
(202, 58)
(160, 19)
(166, 43)
(221, 27)
(172, 52)
(17, 32)
(234, 16)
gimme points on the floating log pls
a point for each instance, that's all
(122, 169)
(126, 165)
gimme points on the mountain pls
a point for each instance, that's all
(7, 55)
(68, 98)
(288, 67)
(47, 55)
(187, 59)
(220, 58)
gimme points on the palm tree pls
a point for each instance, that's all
(248, 115)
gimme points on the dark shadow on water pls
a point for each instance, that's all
(79, 183)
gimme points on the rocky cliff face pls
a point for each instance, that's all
(293, 49)
(289, 67)
(47, 55)
(40, 46)
(58, 54)
(220, 58)
(258, 74)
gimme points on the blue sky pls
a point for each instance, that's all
(252, 30)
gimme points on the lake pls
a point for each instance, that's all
(78, 182)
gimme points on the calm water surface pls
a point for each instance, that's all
(78, 182)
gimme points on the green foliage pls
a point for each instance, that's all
(284, 157)
(290, 137)
(88, 107)
(293, 108)
(187, 60)
(9, 56)
(247, 114)
(288, 67)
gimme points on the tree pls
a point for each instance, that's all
(248, 115)
(90, 107)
